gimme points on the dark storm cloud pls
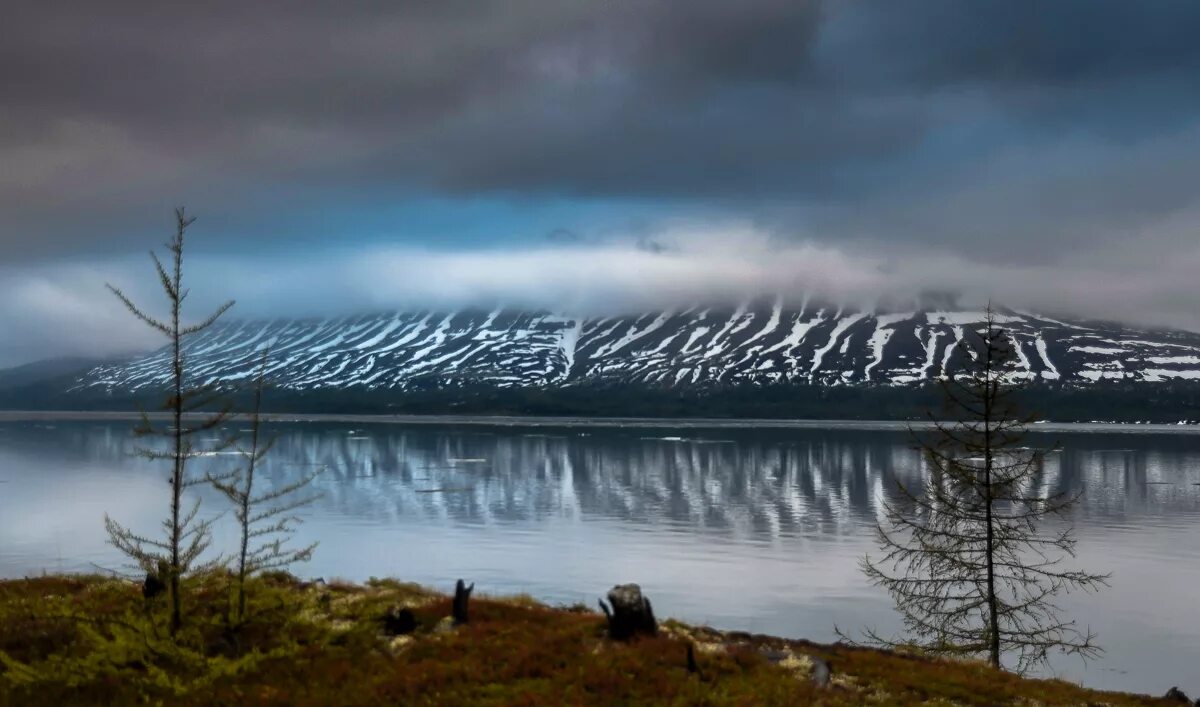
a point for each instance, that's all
(112, 110)
(1011, 132)
(791, 110)
(1053, 44)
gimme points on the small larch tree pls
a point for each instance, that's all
(265, 518)
(966, 557)
(188, 412)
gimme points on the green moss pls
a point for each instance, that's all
(92, 640)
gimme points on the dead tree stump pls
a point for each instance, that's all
(692, 666)
(155, 583)
(462, 595)
(631, 614)
(399, 622)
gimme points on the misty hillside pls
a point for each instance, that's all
(764, 342)
(46, 370)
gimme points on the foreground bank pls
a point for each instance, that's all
(97, 640)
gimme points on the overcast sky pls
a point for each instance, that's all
(348, 155)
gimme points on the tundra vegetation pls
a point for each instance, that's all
(95, 640)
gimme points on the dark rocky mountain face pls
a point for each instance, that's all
(762, 342)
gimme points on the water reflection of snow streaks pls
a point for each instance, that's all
(747, 490)
(747, 486)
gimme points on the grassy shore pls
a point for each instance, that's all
(67, 640)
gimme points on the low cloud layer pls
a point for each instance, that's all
(1051, 145)
(65, 309)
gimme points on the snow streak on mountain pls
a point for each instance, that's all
(761, 342)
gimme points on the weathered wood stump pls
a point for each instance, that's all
(462, 595)
(155, 583)
(631, 614)
(821, 674)
(399, 622)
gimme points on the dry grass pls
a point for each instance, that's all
(91, 640)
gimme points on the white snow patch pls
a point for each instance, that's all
(1044, 318)
(834, 335)
(772, 323)
(958, 334)
(568, 341)
(1040, 344)
(1173, 359)
(1160, 373)
(1020, 351)
(884, 329)
(696, 334)
(719, 341)
(437, 337)
(964, 318)
(379, 337)
(633, 335)
(796, 337)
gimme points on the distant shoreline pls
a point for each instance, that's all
(609, 422)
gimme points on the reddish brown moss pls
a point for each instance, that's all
(320, 644)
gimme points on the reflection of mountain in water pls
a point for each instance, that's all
(739, 484)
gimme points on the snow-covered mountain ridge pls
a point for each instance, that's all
(761, 342)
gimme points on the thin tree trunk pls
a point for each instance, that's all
(177, 477)
(241, 611)
(993, 613)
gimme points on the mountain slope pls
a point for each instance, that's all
(760, 342)
(53, 369)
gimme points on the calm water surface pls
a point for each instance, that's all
(759, 531)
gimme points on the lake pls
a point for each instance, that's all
(741, 528)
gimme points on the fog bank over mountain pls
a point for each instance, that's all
(63, 309)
